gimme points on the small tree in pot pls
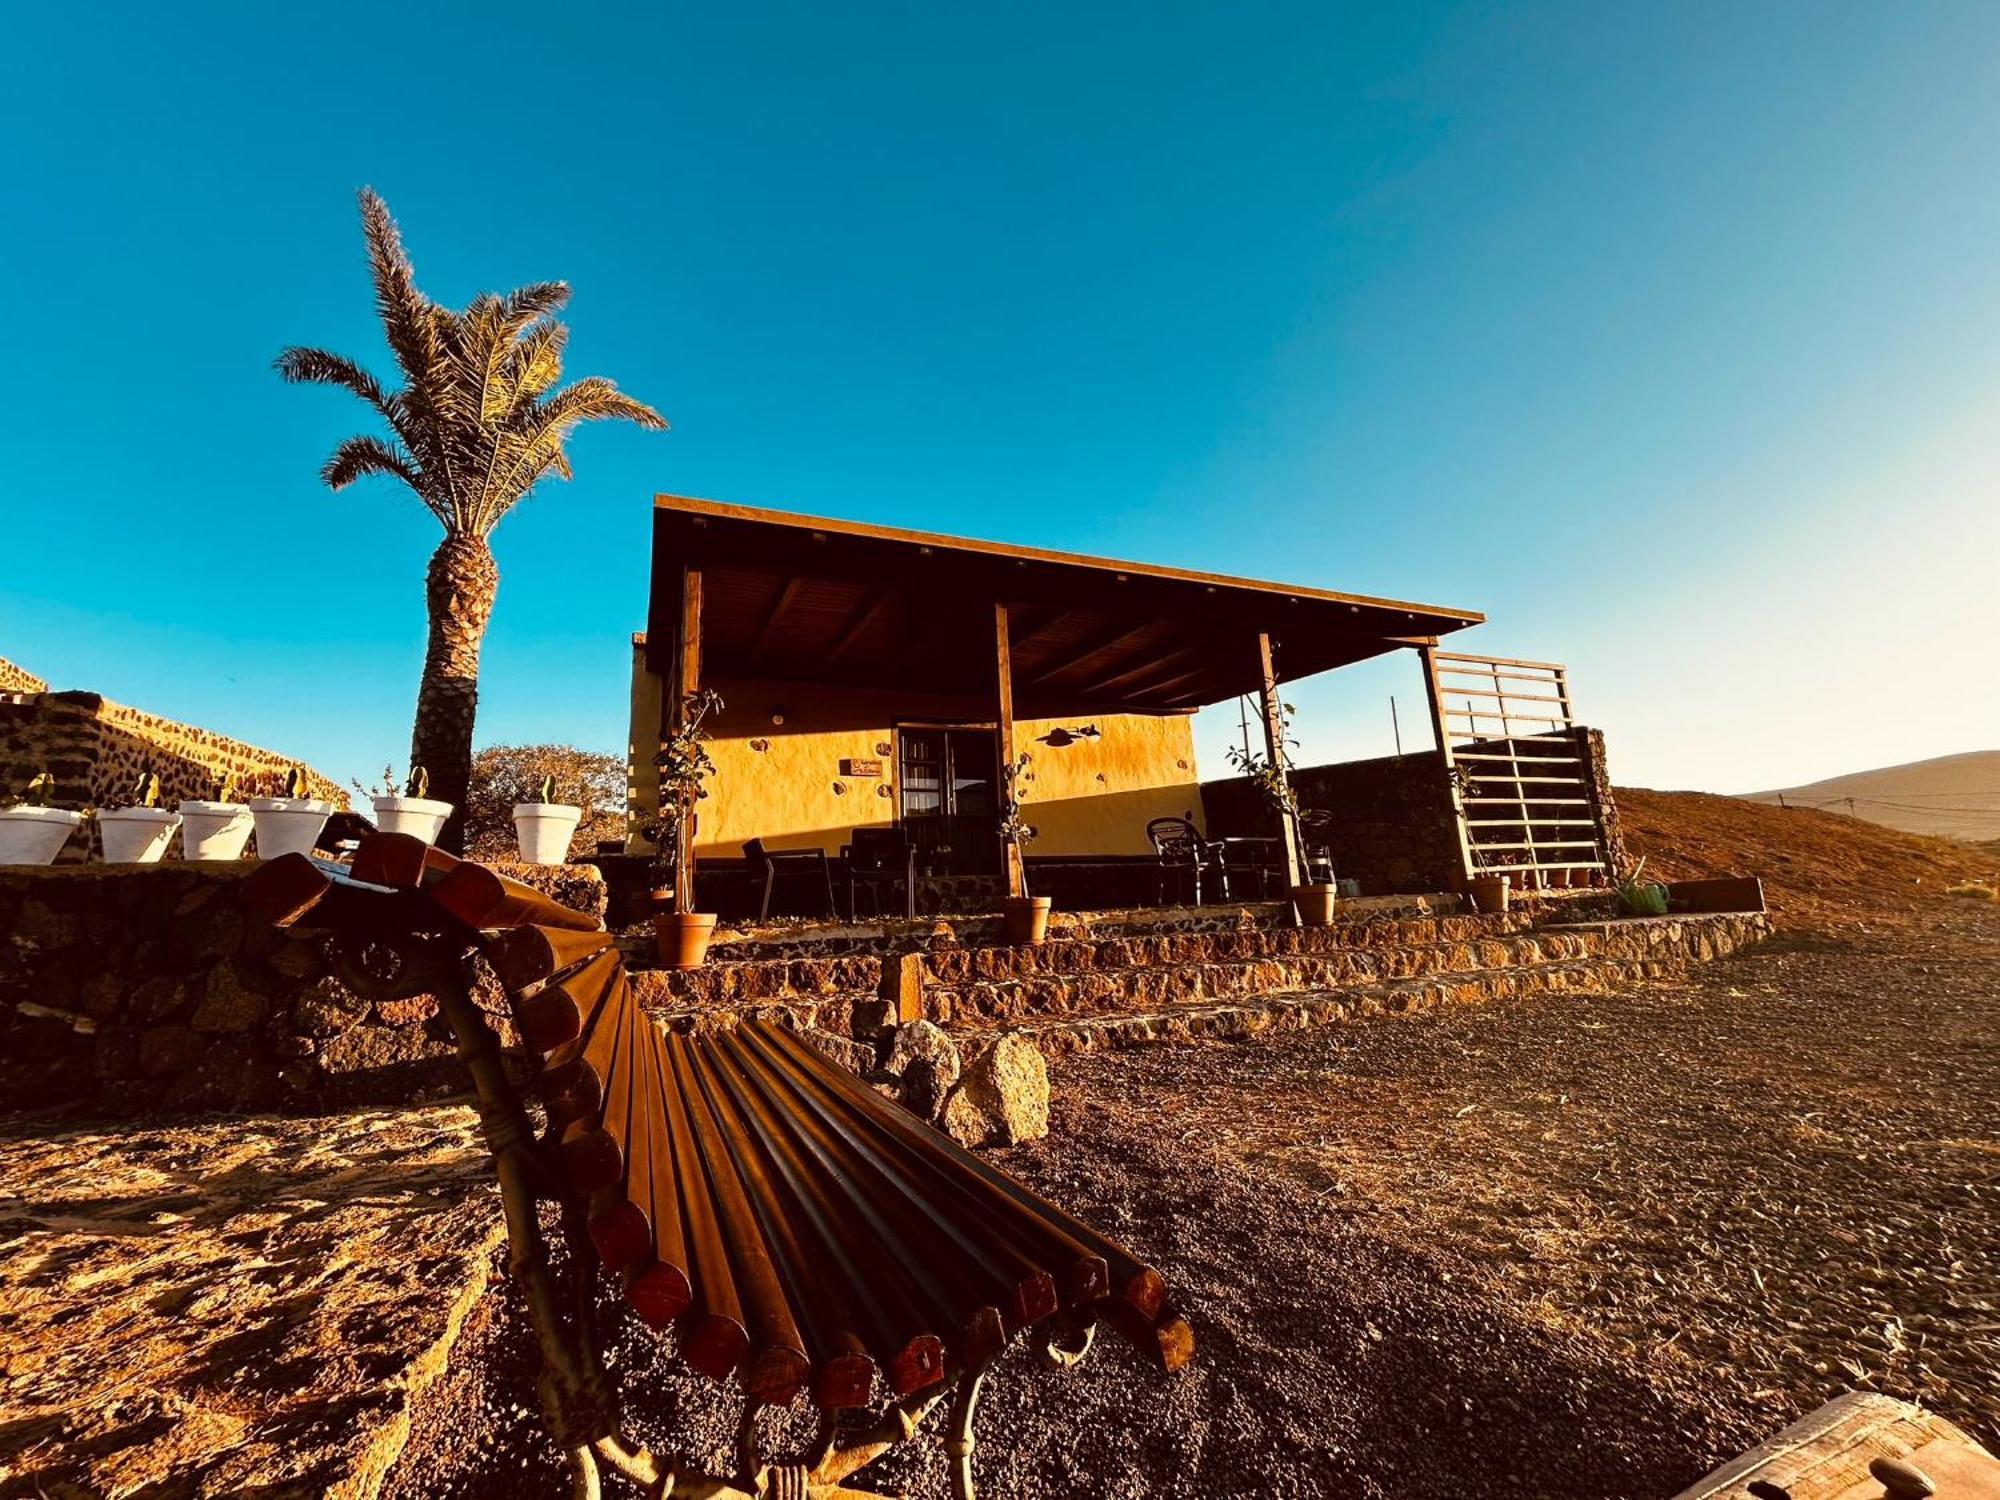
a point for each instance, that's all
(1027, 916)
(1313, 900)
(684, 765)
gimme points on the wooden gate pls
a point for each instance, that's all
(1520, 768)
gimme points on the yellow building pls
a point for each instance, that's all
(876, 678)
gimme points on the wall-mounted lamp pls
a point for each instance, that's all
(1058, 737)
(777, 713)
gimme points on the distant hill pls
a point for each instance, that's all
(1953, 796)
(1820, 870)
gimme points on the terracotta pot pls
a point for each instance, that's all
(136, 835)
(214, 830)
(1027, 918)
(34, 835)
(1490, 892)
(288, 825)
(543, 831)
(1315, 904)
(420, 817)
(683, 937)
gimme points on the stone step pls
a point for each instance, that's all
(1231, 1021)
(1082, 955)
(1150, 987)
(727, 981)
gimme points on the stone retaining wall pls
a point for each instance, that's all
(139, 987)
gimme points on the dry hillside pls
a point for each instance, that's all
(1820, 869)
(1955, 796)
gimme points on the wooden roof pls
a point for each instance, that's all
(806, 599)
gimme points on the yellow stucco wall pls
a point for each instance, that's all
(782, 783)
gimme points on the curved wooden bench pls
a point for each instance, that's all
(802, 1233)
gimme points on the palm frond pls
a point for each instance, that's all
(303, 366)
(365, 454)
(540, 432)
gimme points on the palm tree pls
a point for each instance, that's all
(476, 425)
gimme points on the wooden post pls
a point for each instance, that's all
(1441, 727)
(1003, 661)
(1274, 747)
(687, 680)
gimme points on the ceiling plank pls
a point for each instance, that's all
(1135, 676)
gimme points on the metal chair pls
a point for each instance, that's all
(876, 857)
(767, 864)
(1183, 851)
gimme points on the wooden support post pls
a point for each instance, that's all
(1441, 727)
(1003, 662)
(687, 680)
(1274, 747)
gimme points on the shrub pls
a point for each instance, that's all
(505, 774)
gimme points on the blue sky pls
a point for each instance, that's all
(1669, 337)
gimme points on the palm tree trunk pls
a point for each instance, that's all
(459, 588)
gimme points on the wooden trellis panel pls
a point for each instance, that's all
(1527, 803)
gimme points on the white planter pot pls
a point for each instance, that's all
(34, 835)
(136, 835)
(288, 825)
(214, 830)
(543, 830)
(419, 816)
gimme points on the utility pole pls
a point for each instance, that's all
(1243, 723)
(1397, 725)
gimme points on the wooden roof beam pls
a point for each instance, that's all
(1136, 676)
(1122, 636)
(765, 636)
(867, 613)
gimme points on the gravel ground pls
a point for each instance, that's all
(1574, 1247)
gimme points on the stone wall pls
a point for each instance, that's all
(97, 749)
(15, 679)
(1388, 822)
(141, 987)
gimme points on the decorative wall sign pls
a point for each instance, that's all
(852, 767)
(885, 748)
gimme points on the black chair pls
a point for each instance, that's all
(1183, 852)
(768, 864)
(878, 857)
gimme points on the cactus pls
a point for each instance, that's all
(147, 792)
(41, 791)
(298, 782)
(419, 784)
(548, 792)
(223, 788)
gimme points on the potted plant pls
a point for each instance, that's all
(31, 831)
(1313, 900)
(1491, 890)
(137, 833)
(290, 824)
(681, 932)
(409, 809)
(1027, 916)
(1642, 898)
(216, 827)
(543, 829)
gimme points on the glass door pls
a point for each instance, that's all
(949, 799)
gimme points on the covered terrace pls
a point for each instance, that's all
(1000, 644)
